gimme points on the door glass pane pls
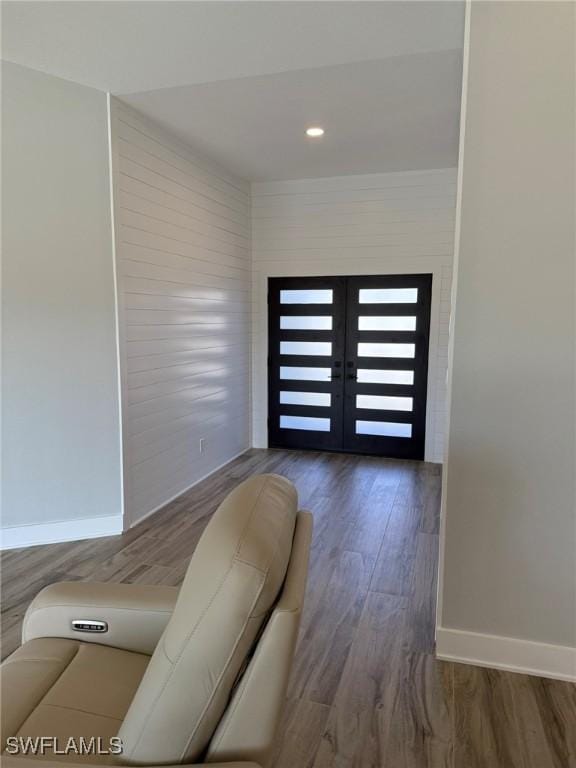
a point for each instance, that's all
(307, 296)
(386, 323)
(305, 398)
(384, 402)
(374, 376)
(306, 322)
(366, 349)
(305, 422)
(323, 348)
(298, 373)
(383, 428)
(388, 295)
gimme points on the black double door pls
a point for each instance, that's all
(348, 363)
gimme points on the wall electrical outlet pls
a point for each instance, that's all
(201, 445)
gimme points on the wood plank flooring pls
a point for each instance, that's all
(366, 690)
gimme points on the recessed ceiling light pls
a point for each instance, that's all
(314, 131)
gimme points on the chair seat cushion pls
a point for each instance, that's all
(65, 688)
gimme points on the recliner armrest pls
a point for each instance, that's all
(135, 614)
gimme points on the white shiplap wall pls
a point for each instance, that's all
(184, 262)
(372, 224)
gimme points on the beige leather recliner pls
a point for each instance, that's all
(195, 675)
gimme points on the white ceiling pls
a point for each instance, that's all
(399, 113)
(139, 46)
(241, 80)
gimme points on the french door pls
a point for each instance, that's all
(348, 363)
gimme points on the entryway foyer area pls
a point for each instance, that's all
(332, 242)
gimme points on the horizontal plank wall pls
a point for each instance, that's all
(183, 253)
(383, 223)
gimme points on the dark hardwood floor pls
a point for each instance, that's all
(366, 690)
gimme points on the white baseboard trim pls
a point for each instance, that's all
(508, 653)
(18, 536)
(146, 515)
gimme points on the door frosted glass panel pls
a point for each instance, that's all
(322, 348)
(301, 373)
(384, 402)
(388, 295)
(376, 376)
(387, 323)
(306, 323)
(368, 349)
(307, 296)
(383, 428)
(305, 398)
(305, 422)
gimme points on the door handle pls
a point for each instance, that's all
(336, 375)
(352, 377)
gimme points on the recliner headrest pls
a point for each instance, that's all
(233, 580)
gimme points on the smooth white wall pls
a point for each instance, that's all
(373, 224)
(183, 250)
(60, 404)
(510, 523)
